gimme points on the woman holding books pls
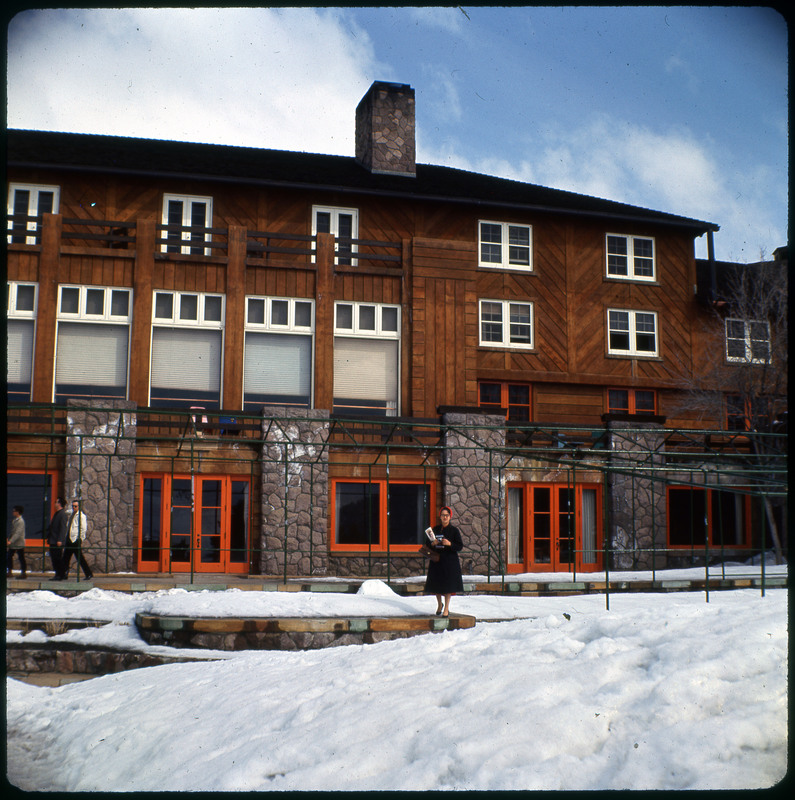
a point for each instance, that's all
(444, 569)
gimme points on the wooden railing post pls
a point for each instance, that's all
(140, 331)
(324, 322)
(235, 318)
(49, 268)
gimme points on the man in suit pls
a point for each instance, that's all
(77, 528)
(57, 537)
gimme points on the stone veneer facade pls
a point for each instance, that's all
(385, 130)
(295, 491)
(636, 504)
(99, 469)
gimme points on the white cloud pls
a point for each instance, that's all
(283, 79)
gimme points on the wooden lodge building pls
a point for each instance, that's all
(255, 361)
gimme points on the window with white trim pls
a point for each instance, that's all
(343, 223)
(92, 342)
(21, 332)
(187, 349)
(187, 217)
(505, 245)
(631, 333)
(29, 200)
(506, 323)
(747, 341)
(630, 257)
(366, 358)
(277, 363)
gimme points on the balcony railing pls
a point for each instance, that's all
(268, 248)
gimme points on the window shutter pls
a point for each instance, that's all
(91, 354)
(186, 359)
(366, 369)
(20, 350)
(277, 364)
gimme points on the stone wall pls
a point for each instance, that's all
(636, 503)
(295, 491)
(100, 471)
(471, 487)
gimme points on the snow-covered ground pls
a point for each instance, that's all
(662, 691)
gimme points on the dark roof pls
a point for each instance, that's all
(117, 154)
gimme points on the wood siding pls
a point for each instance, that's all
(437, 283)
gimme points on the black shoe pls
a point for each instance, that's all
(22, 577)
(56, 578)
(89, 576)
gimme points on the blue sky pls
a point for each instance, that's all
(679, 109)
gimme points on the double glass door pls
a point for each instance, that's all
(198, 524)
(553, 528)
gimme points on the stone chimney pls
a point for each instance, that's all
(385, 130)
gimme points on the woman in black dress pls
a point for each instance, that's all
(444, 575)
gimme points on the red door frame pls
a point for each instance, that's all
(194, 563)
(530, 516)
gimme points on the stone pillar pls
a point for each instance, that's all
(295, 487)
(473, 489)
(100, 471)
(636, 502)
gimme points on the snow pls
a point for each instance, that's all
(661, 691)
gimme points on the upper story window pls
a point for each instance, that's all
(92, 343)
(20, 329)
(505, 245)
(187, 217)
(747, 341)
(631, 257)
(366, 358)
(187, 349)
(632, 333)
(343, 223)
(277, 368)
(513, 397)
(505, 323)
(29, 200)
(631, 401)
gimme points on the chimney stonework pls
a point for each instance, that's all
(385, 130)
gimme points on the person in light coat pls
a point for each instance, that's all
(16, 541)
(77, 528)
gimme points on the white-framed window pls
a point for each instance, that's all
(278, 356)
(343, 223)
(187, 216)
(29, 200)
(631, 257)
(505, 245)
(506, 323)
(187, 349)
(747, 341)
(632, 333)
(92, 342)
(366, 358)
(21, 305)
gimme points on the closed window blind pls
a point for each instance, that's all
(187, 359)
(91, 355)
(20, 350)
(277, 364)
(366, 369)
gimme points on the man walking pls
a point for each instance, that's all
(57, 537)
(16, 541)
(77, 528)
